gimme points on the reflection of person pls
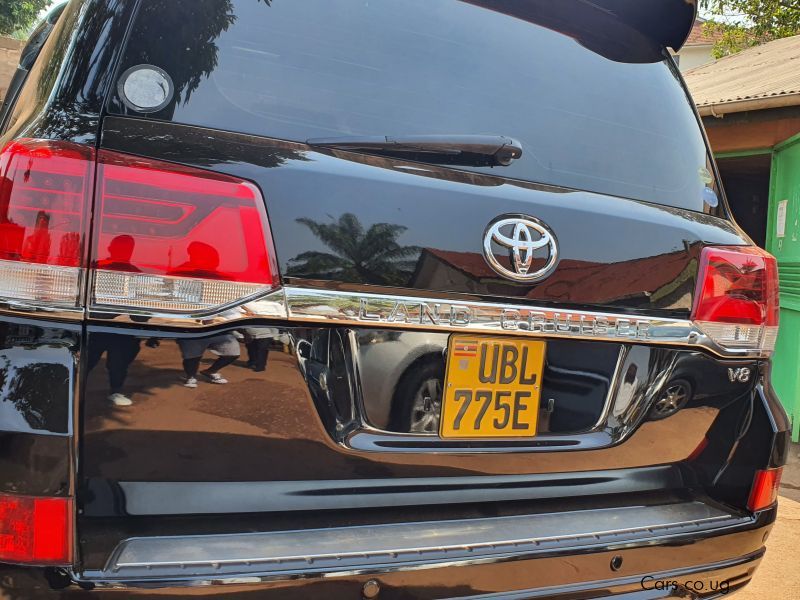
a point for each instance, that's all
(203, 262)
(120, 252)
(257, 341)
(11, 236)
(37, 246)
(224, 346)
(121, 351)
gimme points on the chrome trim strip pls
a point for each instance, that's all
(314, 306)
(264, 305)
(370, 439)
(613, 385)
(17, 308)
(357, 547)
(409, 312)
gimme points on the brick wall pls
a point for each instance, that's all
(9, 58)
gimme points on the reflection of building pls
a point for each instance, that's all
(442, 270)
(750, 104)
(9, 59)
(25, 335)
(619, 283)
(697, 49)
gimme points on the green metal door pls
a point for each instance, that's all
(783, 240)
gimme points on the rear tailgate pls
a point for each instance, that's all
(585, 122)
(326, 433)
(325, 417)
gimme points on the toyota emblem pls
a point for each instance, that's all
(516, 241)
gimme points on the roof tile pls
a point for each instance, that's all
(698, 37)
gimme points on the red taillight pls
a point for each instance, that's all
(36, 530)
(172, 238)
(736, 303)
(764, 492)
(166, 238)
(45, 187)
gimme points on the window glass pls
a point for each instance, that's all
(301, 69)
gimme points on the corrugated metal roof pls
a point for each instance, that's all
(767, 72)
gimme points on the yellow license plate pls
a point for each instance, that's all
(492, 388)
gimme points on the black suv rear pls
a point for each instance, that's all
(383, 299)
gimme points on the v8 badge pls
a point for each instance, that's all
(740, 374)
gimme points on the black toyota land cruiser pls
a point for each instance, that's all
(375, 299)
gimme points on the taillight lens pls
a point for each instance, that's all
(167, 238)
(764, 492)
(45, 187)
(36, 531)
(177, 239)
(737, 298)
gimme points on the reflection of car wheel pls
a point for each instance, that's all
(418, 399)
(676, 395)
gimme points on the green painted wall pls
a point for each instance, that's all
(785, 246)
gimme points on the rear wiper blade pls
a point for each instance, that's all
(490, 150)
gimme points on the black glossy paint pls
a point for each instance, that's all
(38, 376)
(61, 98)
(67, 85)
(299, 439)
(609, 27)
(271, 446)
(28, 56)
(283, 411)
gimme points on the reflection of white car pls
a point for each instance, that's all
(401, 378)
(303, 354)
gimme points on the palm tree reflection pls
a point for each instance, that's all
(369, 256)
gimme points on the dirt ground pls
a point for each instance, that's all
(778, 577)
(790, 482)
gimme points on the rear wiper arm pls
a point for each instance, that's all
(479, 150)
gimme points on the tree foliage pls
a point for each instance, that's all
(18, 15)
(745, 23)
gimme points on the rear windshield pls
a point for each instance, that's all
(302, 69)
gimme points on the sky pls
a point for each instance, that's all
(41, 14)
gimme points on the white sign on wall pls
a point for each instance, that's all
(781, 218)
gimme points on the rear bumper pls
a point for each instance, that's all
(233, 447)
(710, 554)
